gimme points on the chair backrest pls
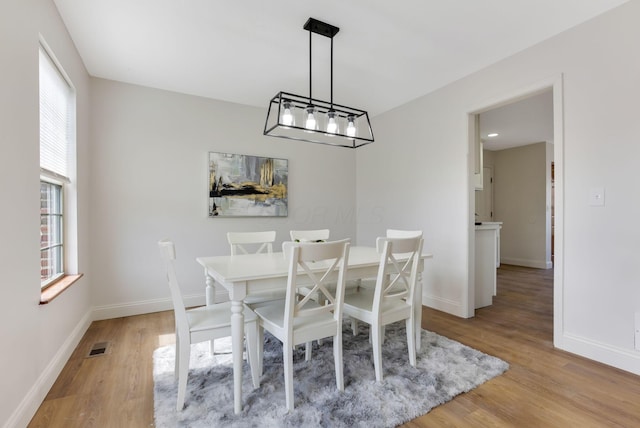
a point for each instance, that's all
(304, 258)
(263, 241)
(168, 251)
(398, 271)
(317, 235)
(396, 233)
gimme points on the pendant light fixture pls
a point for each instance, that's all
(309, 119)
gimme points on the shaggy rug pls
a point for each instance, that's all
(445, 368)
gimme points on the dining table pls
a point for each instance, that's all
(247, 274)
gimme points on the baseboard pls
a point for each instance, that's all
(143, 307)
(624, 359)
(538, 264)
(36, 395)
(449, 306)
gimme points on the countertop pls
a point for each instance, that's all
(485, 225)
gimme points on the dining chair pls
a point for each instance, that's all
(397, 233)
(299, 319)
(313, 235)
(317, 235)
(254, 243)
(391, 233)
(261, 241)
(393, 297)
(202, 324)
(320, 235)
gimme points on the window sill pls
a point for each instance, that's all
(55, 289)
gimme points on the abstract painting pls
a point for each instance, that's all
(247, 186)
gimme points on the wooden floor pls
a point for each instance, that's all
(543, 387)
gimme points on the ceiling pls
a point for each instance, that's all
(520, 123)
(386, 53)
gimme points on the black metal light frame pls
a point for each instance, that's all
(353, 125)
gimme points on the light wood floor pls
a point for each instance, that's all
(544, 387)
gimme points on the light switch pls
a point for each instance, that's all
(596, 196)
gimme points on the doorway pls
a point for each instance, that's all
(555, 86)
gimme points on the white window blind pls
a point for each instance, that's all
(56, 110)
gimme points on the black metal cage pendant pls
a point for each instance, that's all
(309, 119)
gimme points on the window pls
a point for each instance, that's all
(57, 145)
(51, 236)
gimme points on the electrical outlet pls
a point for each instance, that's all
(596, 196)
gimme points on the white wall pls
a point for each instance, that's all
(420, 163)
(520, 195)
(149, 181)
(415, 177)
(36, 340)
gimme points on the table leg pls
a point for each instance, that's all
(210, 300)
(210, 290)
(237, 342)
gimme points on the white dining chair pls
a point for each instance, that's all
(397, 233)
(320, 235)
(299, 319)
(312, 235)
(393, 297)
(202, 324)
(242, 242)
(391, 233)
(316, 235)
(254, 243)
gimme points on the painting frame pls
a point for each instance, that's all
(247, 186)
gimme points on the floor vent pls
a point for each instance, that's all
(98, 349)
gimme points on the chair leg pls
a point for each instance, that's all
(212, 346)
(354, 326)
(287, 353)
(184, 352)
(322, 301)
(260, 351)
(411, 341)
(337, 357)
(177, 359)
(376, 333)
(307, 350)
(382, 334)
(251, 330)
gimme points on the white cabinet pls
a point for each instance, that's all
(487, 260)
(478, 176)
(477, 149)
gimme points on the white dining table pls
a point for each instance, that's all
(246, 274)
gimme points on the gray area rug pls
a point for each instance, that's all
(445, 368)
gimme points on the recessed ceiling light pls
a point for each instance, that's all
(492, 135)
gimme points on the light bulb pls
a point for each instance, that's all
(311, 119)
(287, 117)
(351, 127)
(332, 125)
